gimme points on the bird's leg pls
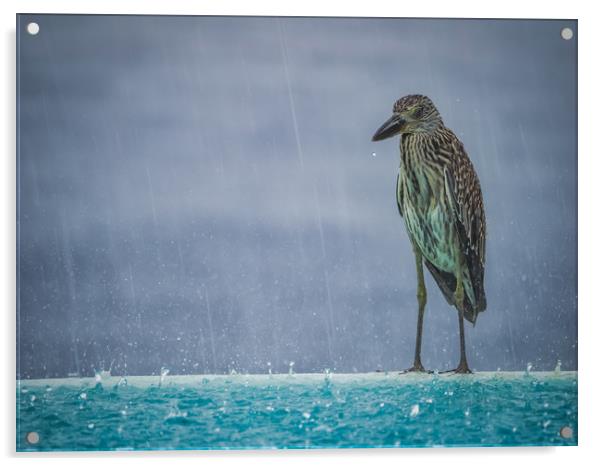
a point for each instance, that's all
(459, 297)
(459, 292)
(463, 366)
(421, 295)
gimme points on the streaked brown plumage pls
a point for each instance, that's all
(440, 199)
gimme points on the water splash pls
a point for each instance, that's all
(174, 411)
(164, 372)
(99, 376)
(102, 378)
(290, 367)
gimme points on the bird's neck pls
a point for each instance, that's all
(416, 141)
(438, 132)
(416, 146)
(430, 126)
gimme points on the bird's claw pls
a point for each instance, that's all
(461, 369)
(416, 368)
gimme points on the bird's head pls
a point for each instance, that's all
(411, 114)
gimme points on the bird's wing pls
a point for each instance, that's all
(399, 194)
(463, 192)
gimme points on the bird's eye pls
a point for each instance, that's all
(417, 113)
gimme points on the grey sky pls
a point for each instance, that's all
(201, 193)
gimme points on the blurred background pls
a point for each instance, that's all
(201, 193)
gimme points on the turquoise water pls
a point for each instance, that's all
(297, 411)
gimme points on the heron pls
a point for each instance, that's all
(439, 197)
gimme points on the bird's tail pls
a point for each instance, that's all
(474, 296)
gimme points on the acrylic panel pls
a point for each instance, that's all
(263, 232)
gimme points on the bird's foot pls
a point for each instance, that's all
(461, 369)
(418, 368)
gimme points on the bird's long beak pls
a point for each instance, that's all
(391, 127)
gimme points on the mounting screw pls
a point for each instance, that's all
(33, 28)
